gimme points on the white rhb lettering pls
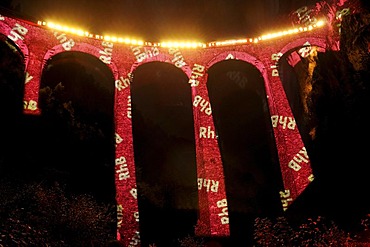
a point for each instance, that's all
(28, 78)
(275, 57)
(285, 198)
(205, 105)
(119, 215)
(129, 106)
(136, 216)
(206, 132)
(298, 159)
(122, 83)
(224, 211)
(206, 183)
(178, 59)
(17, 32)
(118, 139)
(135, 240)
(66, 43)
(30, 105)
(141, 55)
(133, 192)
(106, 53)
(283, 121)
(122, 169)
(304, 16)
(196, 72)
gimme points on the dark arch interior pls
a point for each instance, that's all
(243, 125)
(75, 132)
(164, 148)
(293, 72)
(336, 146)
(12, 76)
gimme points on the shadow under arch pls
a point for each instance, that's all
(12, 77)
(13, 67)
(243, 125)
(83, 48)
(296, 66)
(164, 151)
(76, 127)
(4, 30)
(331, 150)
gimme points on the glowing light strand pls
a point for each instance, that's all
(181, 44)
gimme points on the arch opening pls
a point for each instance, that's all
(164, 152)
(249, 156)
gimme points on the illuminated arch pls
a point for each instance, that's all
(162, 96)
(244, 56)
(161, 57)
(299, 43)
(297, 180)
(79, 47)
(212, 204)
(241, 114)
(291, 54)
(7, 31)
(204, 228)
(126, 183)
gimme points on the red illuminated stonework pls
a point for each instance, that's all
(38, 44)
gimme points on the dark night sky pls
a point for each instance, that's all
(154, 20)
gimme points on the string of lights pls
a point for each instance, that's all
(180, 44)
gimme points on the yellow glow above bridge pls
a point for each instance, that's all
(180, 44)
